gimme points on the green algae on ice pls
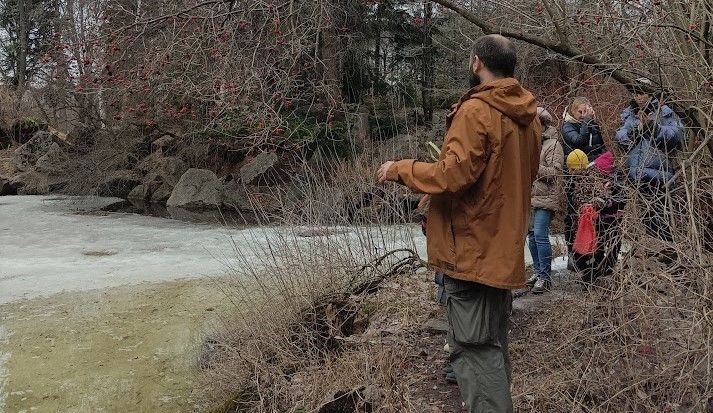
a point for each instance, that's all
(121, 349)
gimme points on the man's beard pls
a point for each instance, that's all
(474, 79)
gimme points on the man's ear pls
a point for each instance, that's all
(477, 65)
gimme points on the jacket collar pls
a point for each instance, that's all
(569, 118)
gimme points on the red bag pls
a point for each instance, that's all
(585, 242)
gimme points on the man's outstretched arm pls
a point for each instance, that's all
(465, 156)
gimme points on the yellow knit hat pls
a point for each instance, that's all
(577, 160)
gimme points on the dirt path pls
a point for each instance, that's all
(121, 349)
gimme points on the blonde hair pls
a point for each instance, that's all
(577, 102)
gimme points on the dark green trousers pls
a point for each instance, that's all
(478, 318)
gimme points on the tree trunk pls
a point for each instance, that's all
(138, 11)
(377, 43)
(329, 52)
(21, 64)
(427, 65)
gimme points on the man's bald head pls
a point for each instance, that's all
(497, 53)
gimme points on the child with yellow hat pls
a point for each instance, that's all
(577, 162)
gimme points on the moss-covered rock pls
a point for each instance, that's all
(22, 130)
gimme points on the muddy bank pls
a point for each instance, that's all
(120, 349)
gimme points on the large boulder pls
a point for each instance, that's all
(259, 168)
(170, 169)
(119, 183)
(142, 192)
(161, 173)
(53, 161)
(28, 153)
(57, 183)
(29, 183)
(197, 189)
(236, 196)
(261, 199)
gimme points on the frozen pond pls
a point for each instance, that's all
(47, 245)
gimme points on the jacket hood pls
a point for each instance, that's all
(509, 97)
(545, 116)
(550, 132)
(605, 163)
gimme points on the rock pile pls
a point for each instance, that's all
(36, 166)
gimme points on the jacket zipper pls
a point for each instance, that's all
(453, 234)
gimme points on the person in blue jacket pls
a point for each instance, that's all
(651, 134)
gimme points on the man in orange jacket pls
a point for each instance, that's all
(479, 211)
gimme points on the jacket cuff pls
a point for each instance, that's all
(393, 173)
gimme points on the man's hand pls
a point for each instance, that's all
(383, 170)
(423, 203)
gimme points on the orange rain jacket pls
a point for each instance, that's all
(480, 205)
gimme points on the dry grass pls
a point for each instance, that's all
(304, 328)
(290, 348)
(631, 349)
(297, 301)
